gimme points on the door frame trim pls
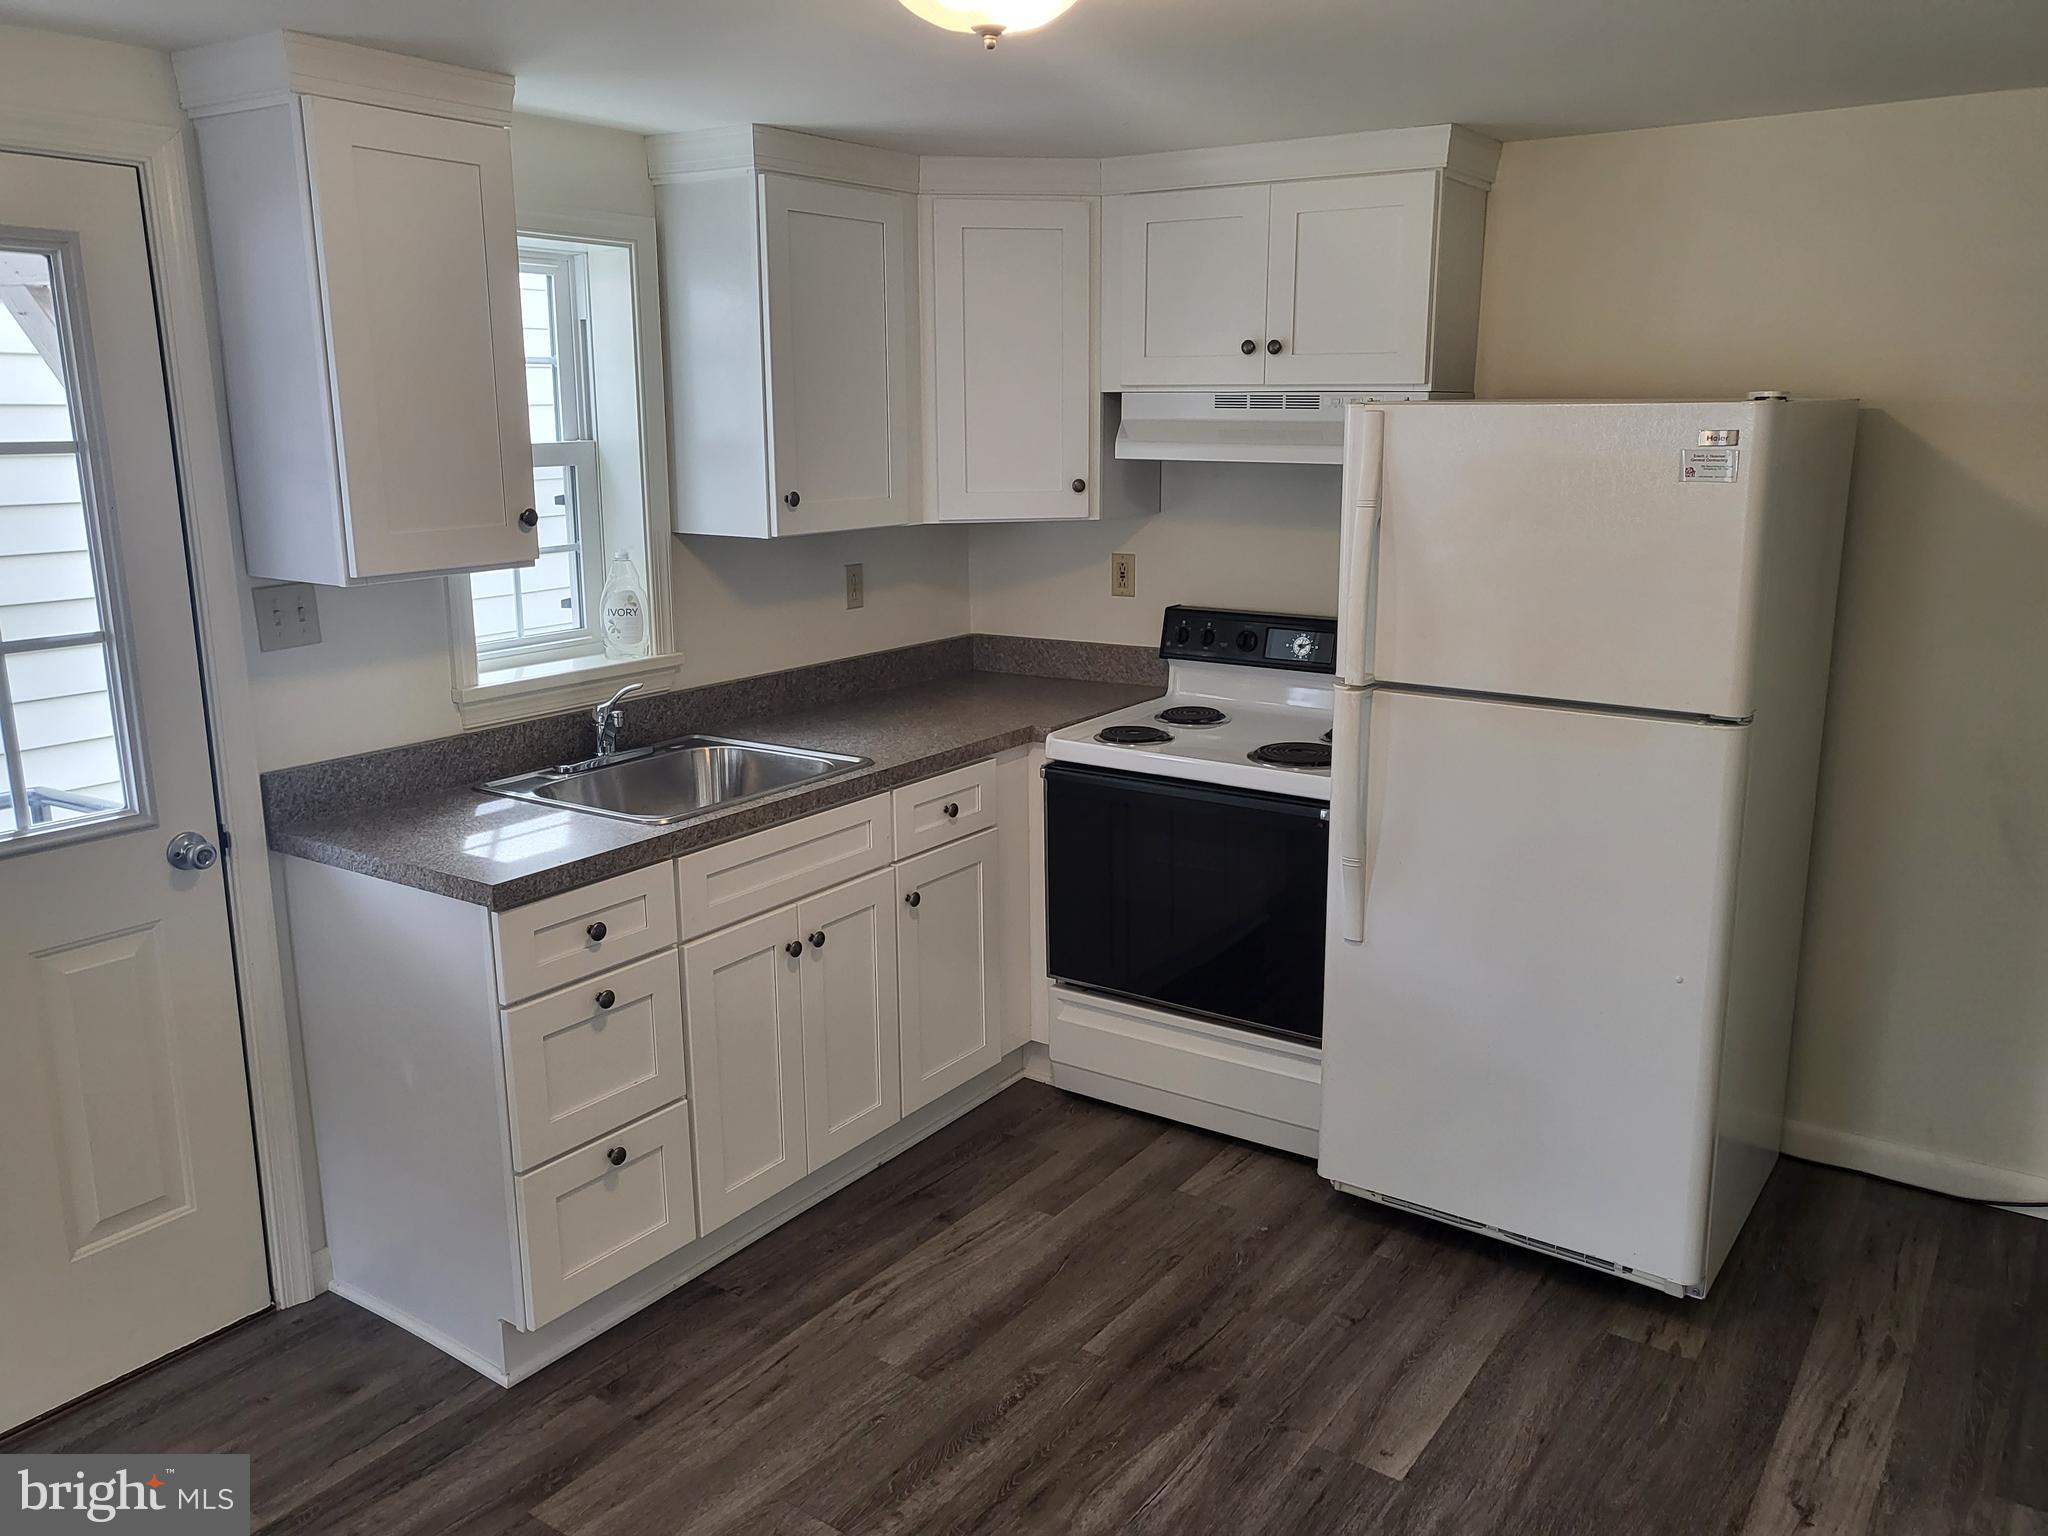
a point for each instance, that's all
(157, 153)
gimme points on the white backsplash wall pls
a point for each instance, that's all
(1237, 535)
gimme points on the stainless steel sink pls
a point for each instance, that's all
(675, 779)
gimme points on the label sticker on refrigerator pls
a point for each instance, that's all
(1718, 464)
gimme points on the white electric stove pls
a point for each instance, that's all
(1187, 855)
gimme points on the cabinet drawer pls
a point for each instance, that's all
(565, 938)
(938, 810)
(593, 1056)
(741, 879)
(596, 1216)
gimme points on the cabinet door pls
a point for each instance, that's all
(1191, 270)
(1348, 288)
(948, 938)
(841, 338)
(419, 271)
(743, 1024)
(1011, 322)
(853, 1086)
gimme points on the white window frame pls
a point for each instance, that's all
(629, 470)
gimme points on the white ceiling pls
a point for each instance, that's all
(1127, 76)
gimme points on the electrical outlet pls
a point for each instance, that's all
(856, 587)
(1123, 575)
(286, 616)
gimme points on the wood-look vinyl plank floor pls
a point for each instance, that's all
(1058, 1316)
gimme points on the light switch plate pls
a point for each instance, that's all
(286, 616)
(856, 587)
(1123, 575)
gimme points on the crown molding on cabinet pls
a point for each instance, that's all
(1008, 176)
(257, 71)
(673, 157)
(1457, 150)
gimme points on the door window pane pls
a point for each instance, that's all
(63, 723)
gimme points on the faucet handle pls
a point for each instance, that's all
(604, 711)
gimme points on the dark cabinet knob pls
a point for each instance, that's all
(606, 998)
(790, 498)
(794, 948)
(616, 1156)
(913, 899)
(818, 939)
(1080, 484)
(529, 518)
(952, 811)
(1273, 346)
(597, 931)
(1249, 348)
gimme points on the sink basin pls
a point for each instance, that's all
(675, 779)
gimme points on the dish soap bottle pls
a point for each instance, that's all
(624, 610)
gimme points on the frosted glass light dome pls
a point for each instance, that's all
(988, 22)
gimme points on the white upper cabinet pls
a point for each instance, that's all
(789, 292)
(1192, 273)
(1263, 267)
(366, 259)
(1012, 394)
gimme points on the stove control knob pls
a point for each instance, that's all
(1181, 634)
(1208, 634)
(1247, 640)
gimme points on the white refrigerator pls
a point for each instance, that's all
(1582, 663)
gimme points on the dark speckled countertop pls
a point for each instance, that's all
(501, 853)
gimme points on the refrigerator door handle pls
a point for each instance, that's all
(1358, 540)
(1349, 854)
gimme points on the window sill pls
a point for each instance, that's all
(549, 687)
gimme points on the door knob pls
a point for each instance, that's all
(1249, 348)
(913, 899)
(1273, 346)
(529, 518)
(189, 850)
(818, 939)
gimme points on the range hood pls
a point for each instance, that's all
(1245, 427)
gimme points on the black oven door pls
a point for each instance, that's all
(1198, 899)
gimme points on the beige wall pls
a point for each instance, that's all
(1899, 254)
(381, 674)
(1249, 536)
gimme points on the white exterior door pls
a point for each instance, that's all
(743, 1024)
(949, 947)
(1522, 1037)
(419, 267)
(1011, 319)
(841, 339)
(1347, 296)
(853, 1084)
(1191, 287)
(129, 1209)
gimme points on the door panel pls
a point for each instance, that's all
(1348, 281)
(853, 1080)
(419, 252)
(1192, 287)
(743, 1021)
(949, 966)
(129, 1208)
(1554, 551)
(840, 340)
(1527, 1035)
(1012, 316)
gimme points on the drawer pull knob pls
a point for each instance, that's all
(616, 1156)
(1249, 347)
(597, 931)
(606, 998)
(1273, 346)
(818, 939)
(913, 899)
(1080, 484)
(794, 948)
(952, 810)
(792, 499)
(529, 518)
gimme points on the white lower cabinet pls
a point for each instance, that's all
(743, 1006)
(853, 1088)
(590, 1219)
(949, 966)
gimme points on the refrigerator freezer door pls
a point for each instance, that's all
(1527, 1037)
(1557, 551)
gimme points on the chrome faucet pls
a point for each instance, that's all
(608, 717)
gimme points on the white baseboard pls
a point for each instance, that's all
(1942, 1172)
(412, 1325)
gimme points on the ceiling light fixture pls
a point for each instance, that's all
(996, 19)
